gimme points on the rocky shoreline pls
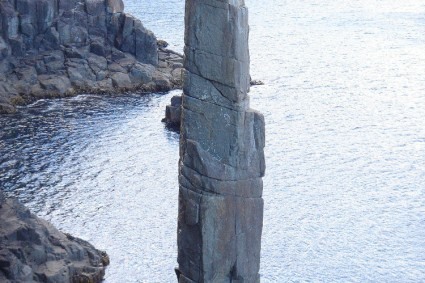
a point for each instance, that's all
(32, 250)
(59, 48)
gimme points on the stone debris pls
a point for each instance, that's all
(221, 149)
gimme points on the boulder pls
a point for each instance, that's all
(121, 80)
(59, 85)
(98, 64)
(173, 112)
(75, 52)
(115, 67)
(162, 81)
(7, 108)
(27, 74)
(141, 73)
(105, 85)
(177, 74)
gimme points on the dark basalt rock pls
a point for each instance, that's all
(221, 150)
(256, 82)
(173, 113)
(49, 35)
(32, 250)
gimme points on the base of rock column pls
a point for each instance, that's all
(219, 237)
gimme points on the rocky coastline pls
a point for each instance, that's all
(32, 250)
(59, 48)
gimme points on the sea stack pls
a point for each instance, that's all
(221, 149)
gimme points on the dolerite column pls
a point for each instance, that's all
(221, 149)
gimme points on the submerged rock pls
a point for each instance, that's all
(32, 250)
(256, 82)
(52, 49)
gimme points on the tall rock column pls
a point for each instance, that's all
(221, 149)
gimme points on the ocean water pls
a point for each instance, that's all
(344, 191)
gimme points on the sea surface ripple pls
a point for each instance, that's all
(344, 191)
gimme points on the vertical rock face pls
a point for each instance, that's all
(29, 26)
(56, 48)
(221, 149)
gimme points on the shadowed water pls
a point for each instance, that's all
(344, 102)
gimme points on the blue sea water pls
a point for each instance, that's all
(344, 191)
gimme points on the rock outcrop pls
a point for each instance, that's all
(221, 149)
(32, 250)
(55, 48)
(173, 112)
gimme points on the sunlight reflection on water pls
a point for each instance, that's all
(344, 102)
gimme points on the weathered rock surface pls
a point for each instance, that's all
(56, 48)
(173, 112)
(221, 149)
(32, 250)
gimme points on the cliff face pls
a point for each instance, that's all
(30, 26)
(61, 47)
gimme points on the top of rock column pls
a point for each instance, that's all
(216, 46)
